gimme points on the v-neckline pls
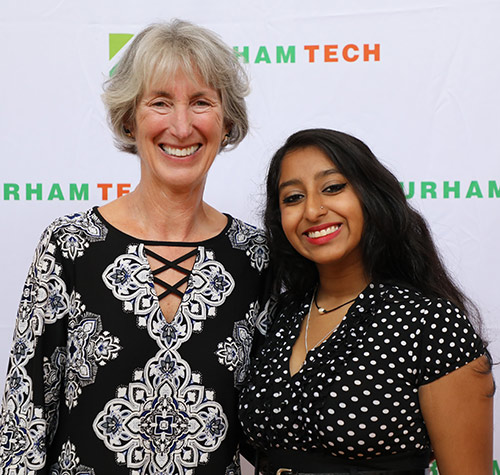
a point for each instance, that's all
(305, 308)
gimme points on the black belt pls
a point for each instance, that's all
(285, 462)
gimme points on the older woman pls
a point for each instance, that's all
(372, 365)
(136, 318)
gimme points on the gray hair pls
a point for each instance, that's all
(156, 53)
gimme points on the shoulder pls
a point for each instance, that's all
(394, 300)
(251, 240)
(73, 232)
(241, 232)
(434, 318)
(412, 301)
(88, 221)
(443, 339)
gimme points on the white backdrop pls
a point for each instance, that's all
(425, 99)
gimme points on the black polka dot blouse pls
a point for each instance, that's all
(356, 396)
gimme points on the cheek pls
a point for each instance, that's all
(359, 224)
(149, 126)
(212, 126)
(289, 224)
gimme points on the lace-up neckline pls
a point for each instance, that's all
(167, 265)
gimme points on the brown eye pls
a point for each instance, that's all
(292, 198)
(335, 188)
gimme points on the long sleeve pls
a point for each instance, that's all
(32, 391)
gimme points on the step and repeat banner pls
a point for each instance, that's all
(417, 80)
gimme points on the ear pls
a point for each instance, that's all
(128, 131)
(228, 125)
(225, 141)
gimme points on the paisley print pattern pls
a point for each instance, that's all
(75, 233)
(249, 238)
(44, 300)
(168, 428)
(69, 464)
(234, 352)
(100, 382)
(165, 409)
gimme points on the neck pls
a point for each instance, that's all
(165, 215)
(340, 284)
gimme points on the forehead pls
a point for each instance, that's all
(162, 80)
(305, 162)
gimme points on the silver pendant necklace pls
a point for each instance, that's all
(307, 328)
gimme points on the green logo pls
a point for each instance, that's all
(451, 189)
(281, 54)
(61, 192)
(116, 42)
(434, 470)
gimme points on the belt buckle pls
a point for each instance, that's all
(284, 471)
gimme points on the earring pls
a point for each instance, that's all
(128, 133)
(225, 140)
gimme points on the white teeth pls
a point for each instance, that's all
(323, 232)
(180, 152)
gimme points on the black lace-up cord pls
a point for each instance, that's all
(167, 264)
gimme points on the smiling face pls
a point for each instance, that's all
(178, 130)
(321, 214)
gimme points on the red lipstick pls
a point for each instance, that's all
(322, 233)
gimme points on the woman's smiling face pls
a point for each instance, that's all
(179, 128)
(321, 214)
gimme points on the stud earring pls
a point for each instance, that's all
(225, 140)
(128, 133)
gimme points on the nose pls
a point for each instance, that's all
(314, 208)
(181, 122)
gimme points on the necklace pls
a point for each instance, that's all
(323, 311)
(307, 328)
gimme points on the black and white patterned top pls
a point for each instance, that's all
(356, 396)
(100, 383)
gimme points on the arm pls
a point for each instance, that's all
(28, 413)
(458, 412)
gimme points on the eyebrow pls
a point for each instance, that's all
(169, 95)
(321, 174)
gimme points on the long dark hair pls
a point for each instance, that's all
(396, 243)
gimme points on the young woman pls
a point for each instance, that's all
(372, 365)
